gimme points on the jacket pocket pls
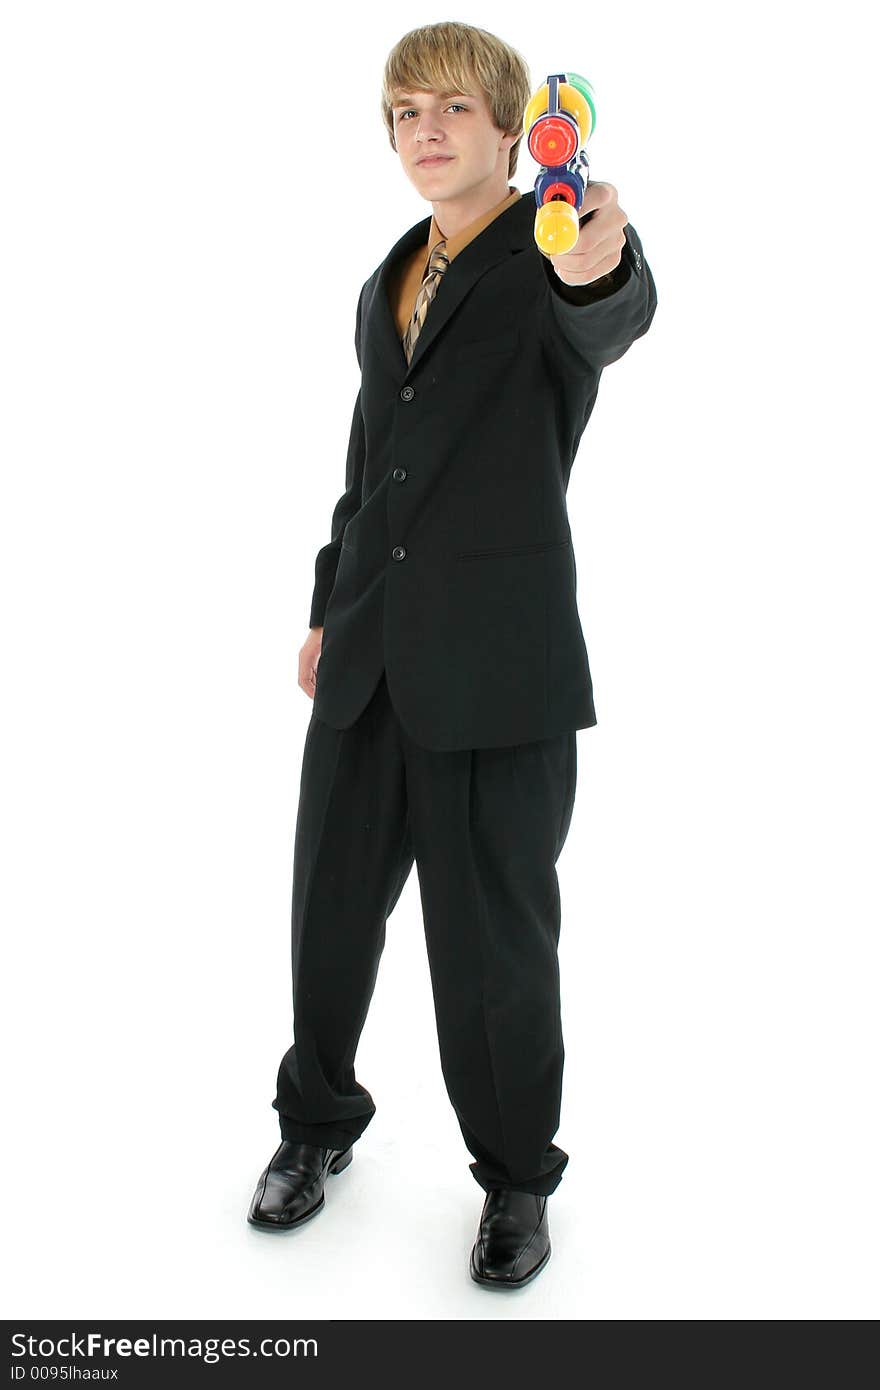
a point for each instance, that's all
(534, 549)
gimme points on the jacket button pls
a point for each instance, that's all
(398, 552)
(399, 474)
(407, 393)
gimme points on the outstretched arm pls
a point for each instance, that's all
(601, 295)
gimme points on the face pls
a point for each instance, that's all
(465, 152)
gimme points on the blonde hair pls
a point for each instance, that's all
(448, 58)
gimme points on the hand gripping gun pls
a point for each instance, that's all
(558, 122)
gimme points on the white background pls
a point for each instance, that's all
(194, 194)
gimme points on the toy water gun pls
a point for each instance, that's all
(558, 122)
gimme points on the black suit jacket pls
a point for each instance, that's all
(450, 563)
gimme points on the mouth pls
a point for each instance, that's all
(431, 159)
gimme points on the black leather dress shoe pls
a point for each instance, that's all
(291, 1186)
(513, 1242)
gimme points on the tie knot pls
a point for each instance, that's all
(439, 259)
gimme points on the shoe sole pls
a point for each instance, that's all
(488, 1283)
(336, 1167)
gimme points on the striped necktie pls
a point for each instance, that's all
(437, 266)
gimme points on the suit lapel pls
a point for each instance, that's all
(508, 234)
(383, 326)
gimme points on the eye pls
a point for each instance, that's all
(403, 115)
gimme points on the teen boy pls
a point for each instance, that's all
(453, 671)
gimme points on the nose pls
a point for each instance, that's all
(427, 129)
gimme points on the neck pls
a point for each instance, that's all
(452, 215)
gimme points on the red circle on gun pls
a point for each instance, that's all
(559, 190)
(552, 141)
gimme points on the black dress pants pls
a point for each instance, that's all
(485, 827)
